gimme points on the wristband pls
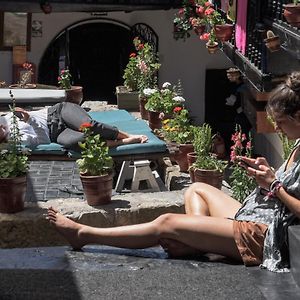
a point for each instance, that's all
(274, 188)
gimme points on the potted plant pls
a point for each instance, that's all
(73, 92)
(13, 169)
(179, 132)
(96, 167)
(25, 78)
(141, 71)
(127, 94)
(240, 182)
(212, 45)
(272, 41)
(161, 103)
(291, 13)
(207, 168)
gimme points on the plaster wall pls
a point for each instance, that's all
(184, 60)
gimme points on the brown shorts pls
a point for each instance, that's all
(249, 238)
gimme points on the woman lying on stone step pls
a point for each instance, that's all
(60, 124)
(254, 233)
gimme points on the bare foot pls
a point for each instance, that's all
(66, 227)
(176, 249)
(135, 139)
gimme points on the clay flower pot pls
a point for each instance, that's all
(74, 94)
(154, 120)
(272, 41)
(224, 32)
(97, 189)
(212, 177)
(292, 14)
(212, 47)
(191, 158)
(143, 111)
(199, 29)
(12, 194)
(180, 156)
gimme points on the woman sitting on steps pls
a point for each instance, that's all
(254, 233)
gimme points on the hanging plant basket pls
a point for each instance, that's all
(212, 47)
(292, 14)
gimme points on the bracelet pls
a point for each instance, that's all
(274, 187)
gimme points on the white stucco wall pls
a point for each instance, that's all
(184, 60)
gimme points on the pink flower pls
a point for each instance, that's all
(209, 11)
(59, 78)
(143, 66)
(200, 10)
(207, 4)
(232, 156)
(62, 72)
(132, 54)
(181, 11)
(205, 36)
(249, 145)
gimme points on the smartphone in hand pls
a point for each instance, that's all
(240, 160)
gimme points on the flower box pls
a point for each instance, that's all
(126, 99)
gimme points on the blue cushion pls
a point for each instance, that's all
(125, 122)
(111, 116)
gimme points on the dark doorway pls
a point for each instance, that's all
(97, 54)
(219, 113)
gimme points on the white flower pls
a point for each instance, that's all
(166, 85)
(149, 92)
(179, 99)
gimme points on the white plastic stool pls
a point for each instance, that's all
(138, 172)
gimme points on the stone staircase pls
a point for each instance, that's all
(294, 246)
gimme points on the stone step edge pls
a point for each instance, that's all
(294, 245)
(30, 228)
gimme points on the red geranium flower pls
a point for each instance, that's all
(177, 109)
(140, 46)
(85, 125)
(132, 54)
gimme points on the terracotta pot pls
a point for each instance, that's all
(292, 14)
(224, 32)
(154, 120)
(180, 156)
(199, 29)
(191, 158)
(212, 48)
(97, 189)
(273, 43)
(12, 194)
(74, 94)
(143, 111)
(212, 177)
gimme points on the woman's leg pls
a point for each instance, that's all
(207, 234)
(74, 115)
(202, 199)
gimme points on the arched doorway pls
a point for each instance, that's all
(96, 52)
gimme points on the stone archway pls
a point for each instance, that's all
(96, 52)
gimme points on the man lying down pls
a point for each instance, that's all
(60, 124)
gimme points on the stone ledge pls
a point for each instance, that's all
(30, 229)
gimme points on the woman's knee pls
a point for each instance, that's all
(164, 223)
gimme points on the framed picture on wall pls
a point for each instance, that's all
(15, 29)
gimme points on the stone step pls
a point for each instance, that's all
(294, 246)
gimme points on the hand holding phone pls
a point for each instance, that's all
(244, 164)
